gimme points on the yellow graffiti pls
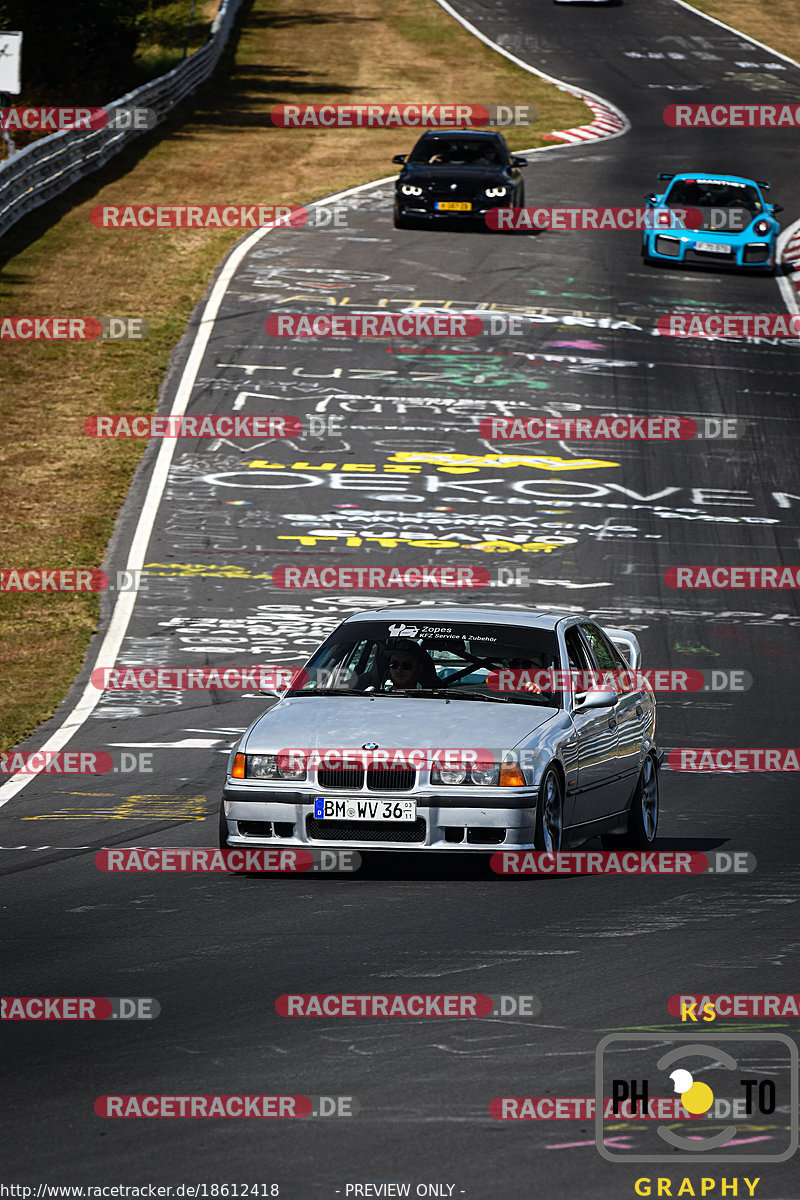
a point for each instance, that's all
(408, 463)
(134, 808)
(202, 570)
(391, 543)
(463, 463)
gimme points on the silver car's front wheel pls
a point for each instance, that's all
(550, 812)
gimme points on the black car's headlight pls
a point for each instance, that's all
(495, 192)
(761, 227)
(408, 189)
(264, 766)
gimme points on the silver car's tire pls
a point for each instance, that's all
(643, 817)
(550, 812)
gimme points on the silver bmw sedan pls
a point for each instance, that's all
(458, 729)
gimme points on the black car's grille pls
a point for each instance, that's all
(350, 777)
(443, 191)
(378, 779)
(366, 831)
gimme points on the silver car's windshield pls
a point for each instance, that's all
(460, 661)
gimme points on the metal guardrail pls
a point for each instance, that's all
(50, 165)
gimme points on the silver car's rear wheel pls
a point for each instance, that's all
(550, 812)
(643, 816)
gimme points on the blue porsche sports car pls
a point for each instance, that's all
(738, 227)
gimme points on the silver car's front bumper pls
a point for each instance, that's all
(443, 823)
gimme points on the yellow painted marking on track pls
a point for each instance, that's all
(134, 808)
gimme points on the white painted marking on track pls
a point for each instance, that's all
(581, 93)
(731, 29)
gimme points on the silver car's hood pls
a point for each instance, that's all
(349, 721)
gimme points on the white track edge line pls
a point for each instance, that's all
(738, 32)
(581, 93)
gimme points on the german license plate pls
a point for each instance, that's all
(713, 248)
(364, 810)
(453, 206)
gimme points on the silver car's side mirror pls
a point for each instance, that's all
(596, 698)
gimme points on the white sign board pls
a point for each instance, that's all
(10, 57)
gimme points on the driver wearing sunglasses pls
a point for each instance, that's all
(405, 671)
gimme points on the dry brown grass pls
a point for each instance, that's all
(60, 492)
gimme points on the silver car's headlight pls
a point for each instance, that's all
(459, 776)
(496, 191)
(408, 189)
(265, 766)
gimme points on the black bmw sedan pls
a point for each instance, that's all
(457, 174)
